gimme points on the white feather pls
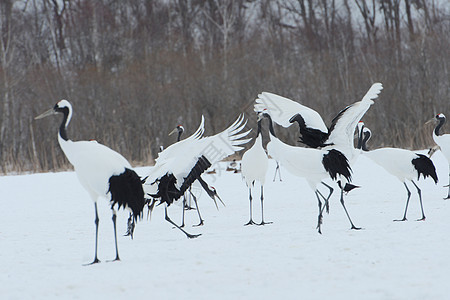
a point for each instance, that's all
(282, 109)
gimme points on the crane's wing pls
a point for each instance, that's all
(212, 149)
(172, 150)
(344, 124)
(282, 110)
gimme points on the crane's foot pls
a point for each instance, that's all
(250, 223)
(96, 261)
(421, 219)
(264, 223)
(355, 228)
(199, 224)
(404, 219)
(115, 259)
(193, 236)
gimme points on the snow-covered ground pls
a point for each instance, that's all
(47, 233)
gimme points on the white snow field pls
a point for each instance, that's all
(47, 234)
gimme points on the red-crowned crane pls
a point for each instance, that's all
(178, 166)
(101, 171)
(254, 168)
(336, 150)
(404, 164)
(443, 141)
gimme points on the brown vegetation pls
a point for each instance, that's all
(134, 69)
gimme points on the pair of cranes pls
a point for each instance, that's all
(105, 173)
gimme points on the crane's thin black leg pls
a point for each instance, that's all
(407, 202)
(262, 208)
(184, 210)
(191, 236)
(348, 216)
(198, 211)
(320, 217)
(327, 204)
(277, 169)
(420, 199)
(448, 196)
(97, 220)
(130, 226)
(250, 199)
(114, 217)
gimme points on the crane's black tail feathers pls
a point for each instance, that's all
(335, 163)
(126, 191)
(424, 166)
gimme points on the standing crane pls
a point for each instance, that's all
(443, 141)
(101, 171)
(254, 168)
(404, 164)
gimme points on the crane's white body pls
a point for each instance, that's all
(254, 163)
(94, 164)
(299, 161)
(443, 141)
(395, 161)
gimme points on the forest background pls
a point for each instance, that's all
(134, 69)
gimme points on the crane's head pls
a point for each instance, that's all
(179, 129)
(439, 118)
(62, 106)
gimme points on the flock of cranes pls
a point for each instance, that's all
(330, 154)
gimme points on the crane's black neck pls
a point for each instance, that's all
(180, 132)
(439, 125)
(62, 129)
(270, 124)
(362, 140)
(259, 128)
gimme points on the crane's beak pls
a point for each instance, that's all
(173, 131)
(49, 112)
(432, 120)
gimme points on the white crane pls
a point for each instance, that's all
(404, 164)
(101, 171)
(337, 141)
(443, 141)
(178, 166)
(254, 168)
(314, 165)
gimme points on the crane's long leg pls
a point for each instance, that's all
(277, 169)
(130, 226)
(262, 208)
(348, 216)
(97, 220)
(191, 236)
(407, 202)
(319, 218)
(420, 199)
(198, 211)
(327, 204)
(114, 217)
(448, 197)
(250, 199)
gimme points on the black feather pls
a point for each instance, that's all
(424, 166)
(311, 137)
(335, 163)
(126, 191)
